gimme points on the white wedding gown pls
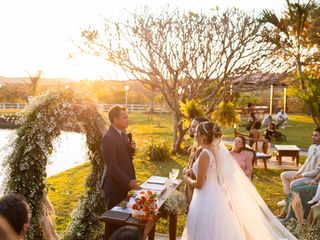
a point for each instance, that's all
(228, 207)
(210, 216)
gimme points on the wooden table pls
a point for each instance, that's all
(147, 228)
(287, 150)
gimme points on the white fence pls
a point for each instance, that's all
(104, 107)
(138, 108)
(12, 105)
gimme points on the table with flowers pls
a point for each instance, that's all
(143, 212)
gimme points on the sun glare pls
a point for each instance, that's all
(40, 34)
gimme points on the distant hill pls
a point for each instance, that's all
(18, 80)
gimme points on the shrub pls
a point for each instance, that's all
(305, 231)
(158, 152)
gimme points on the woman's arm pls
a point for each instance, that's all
(202, 172)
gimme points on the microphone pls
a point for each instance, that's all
(129, 135)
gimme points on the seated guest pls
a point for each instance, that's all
(254, 134)
(255, 142)
(270, 132)
(266, 120)
(15, 210)
(306, 192)
(316, 197)
(6, 231)
(251, 120)
(314, 215)
(282, 117)
(126, 233)
(308, 171)
(244, 158)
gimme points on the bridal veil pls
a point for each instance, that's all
(251, 212)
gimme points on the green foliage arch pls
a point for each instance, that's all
(41, 122)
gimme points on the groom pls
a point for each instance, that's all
(117, 151)
(194, 153)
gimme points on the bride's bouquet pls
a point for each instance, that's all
(145, 207)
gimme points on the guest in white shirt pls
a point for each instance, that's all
(309, 169)
(282, 117)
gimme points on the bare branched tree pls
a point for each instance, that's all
(183, 55)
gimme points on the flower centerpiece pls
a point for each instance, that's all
(175, 203)
(145, 207)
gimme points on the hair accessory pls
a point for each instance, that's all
(204, 128)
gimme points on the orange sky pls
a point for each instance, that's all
(37, 34)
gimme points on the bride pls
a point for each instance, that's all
(225, 204)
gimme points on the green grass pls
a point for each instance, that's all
(9, 111)
(64, 191)
(298, 131)
(66, 188)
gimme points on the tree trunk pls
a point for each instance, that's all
(178, 133)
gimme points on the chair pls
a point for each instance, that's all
(261, 153)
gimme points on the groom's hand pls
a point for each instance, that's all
(134, 184)
(133, 144)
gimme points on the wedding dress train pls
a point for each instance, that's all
(228, 207)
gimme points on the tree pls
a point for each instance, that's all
(295, 38)
(183, 55)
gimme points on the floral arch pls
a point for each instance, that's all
(43, 120)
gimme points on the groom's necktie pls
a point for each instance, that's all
(124, 135)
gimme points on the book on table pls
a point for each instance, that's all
(157, 180)
(155, 184)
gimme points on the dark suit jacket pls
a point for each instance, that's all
(119, 172)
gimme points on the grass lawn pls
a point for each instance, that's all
(66, 188)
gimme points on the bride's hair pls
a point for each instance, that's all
(209, 129)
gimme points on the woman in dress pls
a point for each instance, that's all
(244, 158)
(208, 200)
(225, 204)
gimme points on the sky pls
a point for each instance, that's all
(40, 34)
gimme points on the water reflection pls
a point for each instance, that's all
(69, 150)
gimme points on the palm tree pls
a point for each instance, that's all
(295, 37)
(291, 33)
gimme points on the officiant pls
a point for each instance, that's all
(117, 151)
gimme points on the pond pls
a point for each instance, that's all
(69, 150)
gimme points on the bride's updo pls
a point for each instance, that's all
(209, 129)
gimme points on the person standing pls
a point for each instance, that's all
(194, 153)
(117, 151)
